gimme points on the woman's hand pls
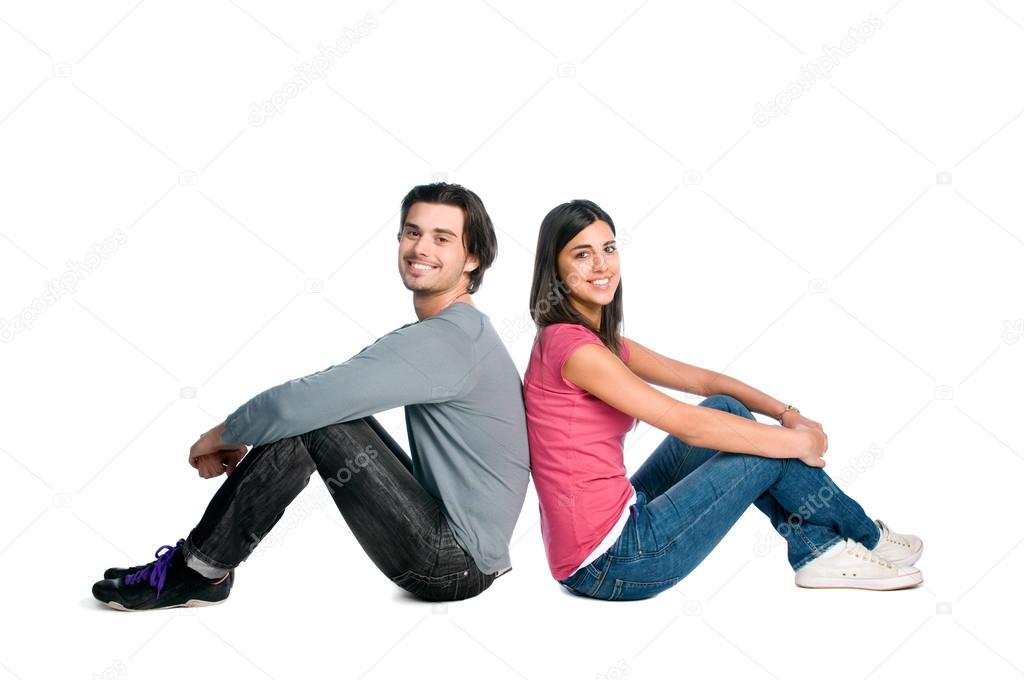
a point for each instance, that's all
(792, 419)
(817, 443)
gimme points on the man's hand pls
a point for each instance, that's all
(211, 456)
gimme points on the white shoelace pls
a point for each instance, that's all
(890, 536)
(858, 550)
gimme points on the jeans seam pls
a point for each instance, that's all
(817, 553)
(600, 576)
(708, 509)
(807, 542)
(682, 461)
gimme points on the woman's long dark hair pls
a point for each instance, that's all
(549, 295)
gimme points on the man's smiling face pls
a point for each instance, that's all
(431, 254)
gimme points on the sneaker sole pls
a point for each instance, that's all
(191, 603)
(895, 583)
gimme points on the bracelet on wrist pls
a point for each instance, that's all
(789, 407)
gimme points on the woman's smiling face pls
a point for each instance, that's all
(589, 267)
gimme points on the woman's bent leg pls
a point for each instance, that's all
(806, 531)
(667, 537)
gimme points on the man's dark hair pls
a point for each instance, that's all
(477, 230)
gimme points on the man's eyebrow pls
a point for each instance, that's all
(439, 230)
(587, 245)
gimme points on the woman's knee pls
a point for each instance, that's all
(729, 403)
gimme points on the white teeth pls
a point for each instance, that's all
(422, 267)
(599, 282)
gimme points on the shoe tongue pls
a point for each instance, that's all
(858, 547)
(177, 559)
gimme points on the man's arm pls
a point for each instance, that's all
(425, 362)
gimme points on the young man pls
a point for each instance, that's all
(437, 525)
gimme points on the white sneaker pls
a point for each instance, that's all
(900, 549)
(848, 564)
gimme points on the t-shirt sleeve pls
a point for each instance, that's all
(426, 362)
(560, 341)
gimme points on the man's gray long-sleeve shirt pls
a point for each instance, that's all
(464, 417)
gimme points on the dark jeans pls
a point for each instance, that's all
(400, 526)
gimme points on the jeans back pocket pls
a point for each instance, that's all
(430, 588)
(640, 590)
(587, 579)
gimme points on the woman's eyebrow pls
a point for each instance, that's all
(587, 245)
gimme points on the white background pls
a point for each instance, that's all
(820, 255)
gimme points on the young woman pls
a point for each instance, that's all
(614, 537)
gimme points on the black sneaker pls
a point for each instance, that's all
(164, 583)
(116, 571)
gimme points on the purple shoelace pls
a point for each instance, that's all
(156, 571)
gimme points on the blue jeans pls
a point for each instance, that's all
(688, 497)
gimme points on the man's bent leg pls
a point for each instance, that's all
(391, 515)
(399, 524)
(248, 505)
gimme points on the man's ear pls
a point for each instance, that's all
(472, 264)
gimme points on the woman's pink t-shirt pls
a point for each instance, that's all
(576, 445)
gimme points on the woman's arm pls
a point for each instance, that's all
(595, 369)
(660, 370)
